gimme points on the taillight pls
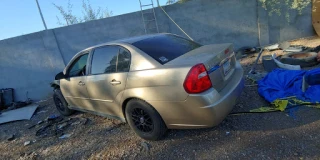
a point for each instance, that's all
(197, 80)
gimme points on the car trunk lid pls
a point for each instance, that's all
(219, 60)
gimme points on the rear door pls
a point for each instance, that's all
(74, 87)
(107, 80)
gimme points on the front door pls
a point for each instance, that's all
(74, 87)
(107, 80)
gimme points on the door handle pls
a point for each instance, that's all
(114, 82)
(81, 83)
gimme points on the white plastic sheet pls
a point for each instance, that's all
(24, 113)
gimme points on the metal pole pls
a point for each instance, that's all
(158, 3)
(44, 23)
(175, 23)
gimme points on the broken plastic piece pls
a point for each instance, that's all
(63, 125)
(272, 47)
(65, 136)
(52, 117)
(27, 143)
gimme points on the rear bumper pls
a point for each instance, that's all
(202, 110)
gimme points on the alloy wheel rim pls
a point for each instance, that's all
(142, 120)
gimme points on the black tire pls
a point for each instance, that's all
(309, 61)
(61, 103)
(145, 120)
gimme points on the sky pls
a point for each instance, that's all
(19, 17)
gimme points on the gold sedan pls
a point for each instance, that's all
(153, 82)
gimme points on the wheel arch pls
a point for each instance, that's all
(125, 102)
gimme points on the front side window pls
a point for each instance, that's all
(78, 67)
(110, 59)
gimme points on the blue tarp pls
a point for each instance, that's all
(282, 83)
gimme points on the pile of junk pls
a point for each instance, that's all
(7, 101)
(10, 110)
(296, 57)
(290, 80)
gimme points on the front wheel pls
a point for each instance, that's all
(61, 103)
(145, 120)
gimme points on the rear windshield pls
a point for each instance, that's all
(164, 48)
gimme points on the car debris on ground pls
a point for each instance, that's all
(65, 136)
(55, 125)
(26, 143)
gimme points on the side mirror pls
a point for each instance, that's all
(60, 76)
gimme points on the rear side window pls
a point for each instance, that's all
(110, 59)
(164, 48)
(123, 60)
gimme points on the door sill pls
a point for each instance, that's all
(97, 113)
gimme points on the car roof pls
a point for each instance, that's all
(130, 40)
(139, 38)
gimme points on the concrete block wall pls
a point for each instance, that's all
(274, 28)
(29, 63)
(75, 38)
(214, 21)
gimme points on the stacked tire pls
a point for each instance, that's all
(307, 59)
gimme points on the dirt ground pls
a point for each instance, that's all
(292, 134)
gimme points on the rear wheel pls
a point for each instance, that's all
(145, 120)
(61, 103)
